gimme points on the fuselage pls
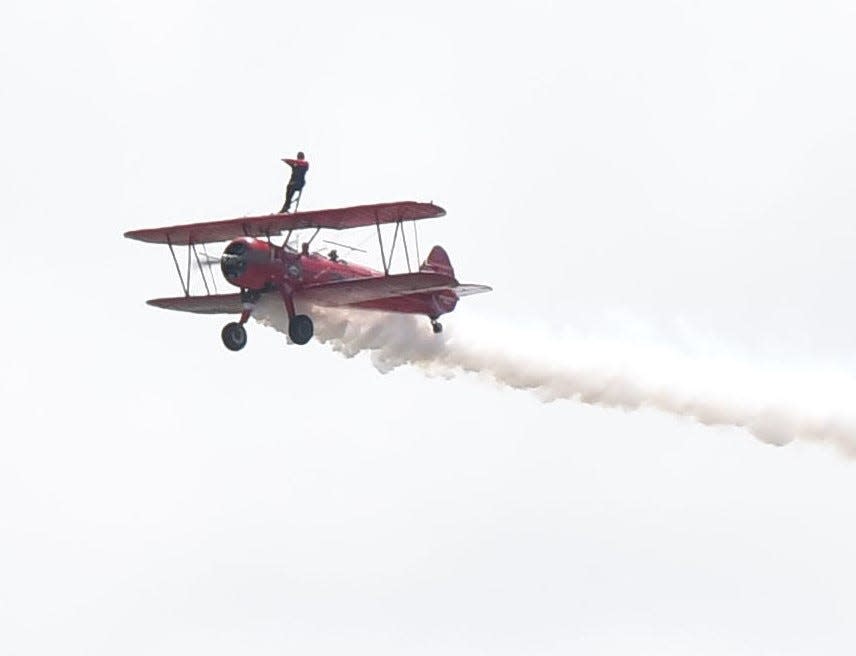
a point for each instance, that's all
(257, 264)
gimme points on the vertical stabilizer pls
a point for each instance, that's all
(438, 262)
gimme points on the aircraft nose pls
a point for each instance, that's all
(232, 266)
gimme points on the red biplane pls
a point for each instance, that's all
(257, 266)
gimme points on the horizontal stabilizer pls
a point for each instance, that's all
(469, 290)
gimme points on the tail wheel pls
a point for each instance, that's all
(234, 336)
(436, 326)
(300, 329)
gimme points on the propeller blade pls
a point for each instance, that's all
(208, 259)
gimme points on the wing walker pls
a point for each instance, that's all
(257, 266)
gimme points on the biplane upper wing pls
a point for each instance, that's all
(361, 290)
(276, 224)
(208, 304)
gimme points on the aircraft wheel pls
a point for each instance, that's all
(234, 336)
(300, 329)
(437, 327)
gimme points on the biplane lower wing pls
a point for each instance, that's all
(208, 304)
(335, 294)
(275, 224)
(361, 290)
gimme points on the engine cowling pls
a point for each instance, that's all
(249, 263)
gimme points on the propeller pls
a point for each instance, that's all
(206, 259)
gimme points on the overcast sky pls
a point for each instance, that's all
(679, 173)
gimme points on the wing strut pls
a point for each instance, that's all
(201, 272)
(394, 238)
(380, 241)
(184, 288)
(399, 227)
(406, 253)
(416, 238)
(185, 282)
(210, 267)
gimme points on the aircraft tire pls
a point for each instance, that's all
(300, 329)
(234, 336)
(437, 327)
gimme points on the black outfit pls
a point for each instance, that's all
(299, 167)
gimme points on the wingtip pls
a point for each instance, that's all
(138, 235)
(440, 211)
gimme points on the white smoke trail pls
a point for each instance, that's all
(775, 406)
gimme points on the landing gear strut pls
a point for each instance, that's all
(436, 326)
(234, 334)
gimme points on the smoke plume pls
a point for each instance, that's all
(775, 406)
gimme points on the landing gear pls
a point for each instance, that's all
(251, 296)
(234, 336)
(300, 329)
(436, 326)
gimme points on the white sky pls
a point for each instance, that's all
(677, 170)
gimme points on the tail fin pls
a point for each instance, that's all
(438, 262)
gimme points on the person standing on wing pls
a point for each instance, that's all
(299, 167)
